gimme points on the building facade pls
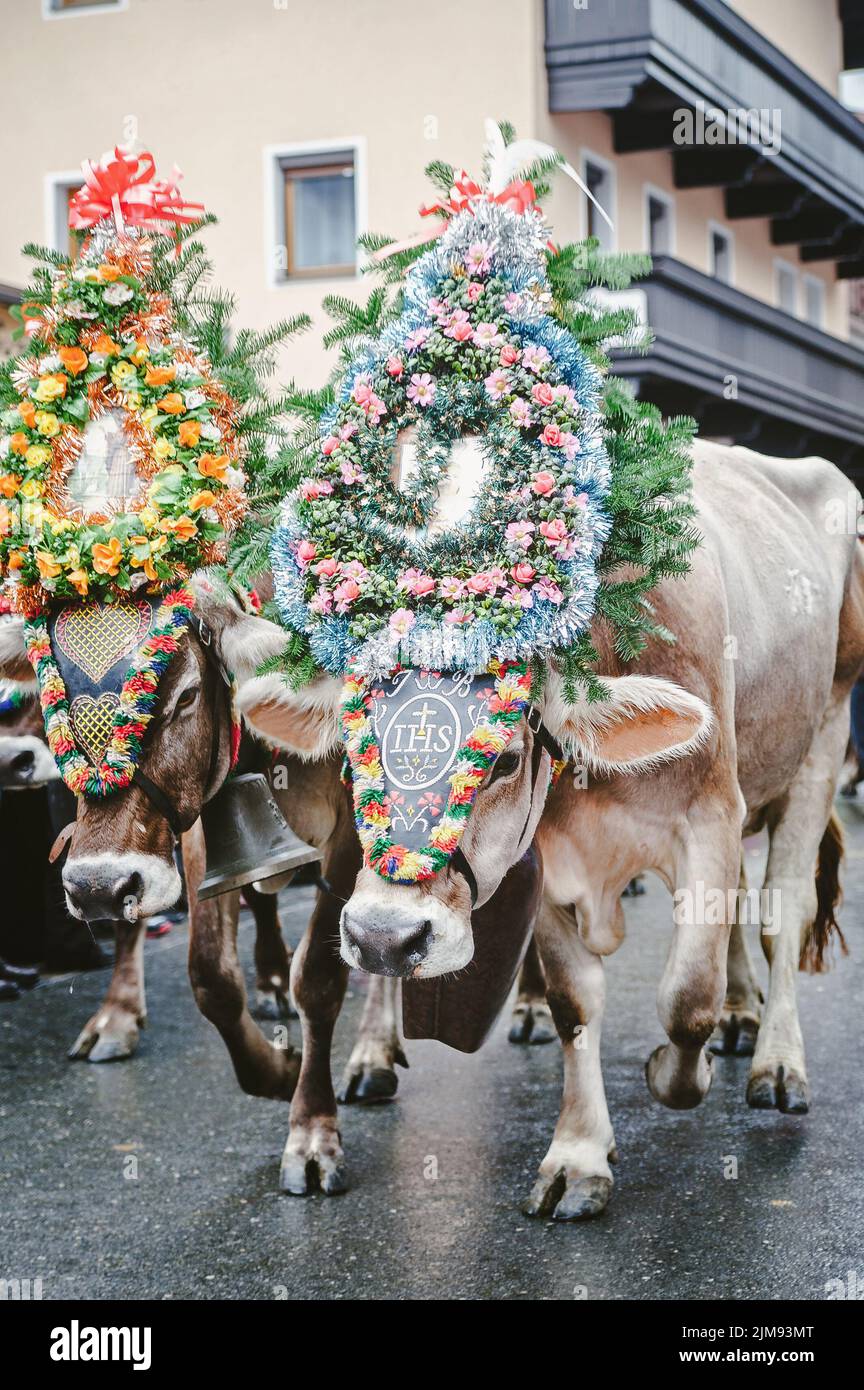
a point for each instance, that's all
(712, 133)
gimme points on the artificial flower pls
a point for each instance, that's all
(74, 359)
(31, 489)
(172, 404)
(214, 466)
(37, 455)
(117, 294)
(107, 556)
(122, 373)
(79, 580)
(9, 484)
(422, 389)
(47, 423)
(48, 566)
(19, 443)
(50, 388)
(159, 376)
(205, 498)
(401, 622)
(189, 433)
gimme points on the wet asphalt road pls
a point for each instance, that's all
(203, 1218)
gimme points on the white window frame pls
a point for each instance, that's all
(274, 183)
(587, 157)
(57, 237)
(730, 241)
(810, 279)
(660, 196)
(81, 11)
(782, 266)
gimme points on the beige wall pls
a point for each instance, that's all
(808, 30)
(211, 83)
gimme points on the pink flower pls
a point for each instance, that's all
(555, 532)
(330, 443)
(432, 802)
(542, 483)
(565, 393)
(345, 594)
(497, 384)
(522, 597)
(350, 472)
(440, 308)
(546, 588)
(520, 413)
(416, 583)
(520, 533)
(306, 553)
(512, 303)
(347, 430)
(474, 292)
(457, 615)
(322, 602)
(478, 259)
(534, 358)
(416, 339)
(478, 583)
(402, 621)
(325, 569)
(355, 570)
(395, 366)
(312, 488)
(523, 573)
(362, 391)
(497, 578)
(508, 355)
(460, 332)
(487, 335)
(551, 436)
(542, 393)
(371, 405)
(570, 445)
(422, 389)
(450, 588)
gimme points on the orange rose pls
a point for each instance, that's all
(15, 559)
(172, 404)
(74, 359)
(202, 499)
(189, 433)
(19, 443)
(106, 345)
(106, 558)
(48, 566)
(27, 411)
(7, 520)
(107, 273)
(213, 466)
(159, 376)
(9, 484)
(183, 527)
(78, 579)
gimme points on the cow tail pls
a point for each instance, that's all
(814, 949)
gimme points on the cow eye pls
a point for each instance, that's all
(505, 764)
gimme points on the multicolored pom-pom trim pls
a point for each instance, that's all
(489, 738)
(137, 700)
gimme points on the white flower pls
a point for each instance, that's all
(234, 478)
(134, 583)
(4, 446)
(76, 309)
(116, 293)
(210, 514)
(185, 371)
(193, 399)
(210, 431)
(51, 363)
(98, 359)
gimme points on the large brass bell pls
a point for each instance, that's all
(247, 837)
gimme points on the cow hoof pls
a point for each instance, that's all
(677, 1080)
(532, 1023)
(108, 1037)
(786, 1091)
(568, 1199)
(735, 1035)
(272, 1002)
(367, 1086)
(313, 1161)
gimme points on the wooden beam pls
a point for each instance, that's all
(711, 166)
(849, 245)
(764, 199)
(850, 270)
(812, 224)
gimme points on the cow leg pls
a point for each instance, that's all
(575, 1180)
(531, 1021)
(693, 987)
(739, 1022)
(262, 1068)
(313, 1156)
(113, 1031)
(272, 957)
(370, 1075)
(778, 1075)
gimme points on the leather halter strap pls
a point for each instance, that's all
(543, 741)
(159, 799)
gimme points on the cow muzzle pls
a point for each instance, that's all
(400, 931)
(119, 887)
(25, 762)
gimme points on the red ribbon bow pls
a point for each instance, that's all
(122, 184)
(519, 196)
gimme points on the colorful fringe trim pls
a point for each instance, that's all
(491, 735)
(137, 700)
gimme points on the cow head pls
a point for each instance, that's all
(121, 854)
(424, 930)
(24, 758)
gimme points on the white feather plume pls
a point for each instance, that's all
(507, 162)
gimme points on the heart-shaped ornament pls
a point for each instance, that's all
(94, 636)
(93, 722)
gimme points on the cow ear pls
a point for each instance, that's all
(645, 721)
(246, 642)
(305, 721)
(14, 665)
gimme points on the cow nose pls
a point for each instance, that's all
(394, 948)
(18, 768)
(99, 894)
